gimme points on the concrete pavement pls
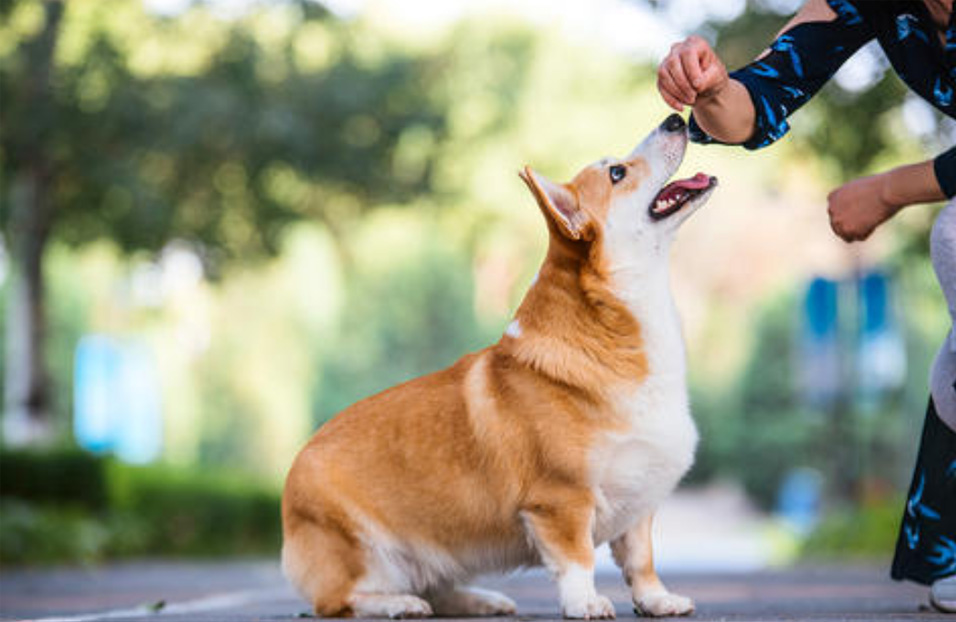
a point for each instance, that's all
(255, 591)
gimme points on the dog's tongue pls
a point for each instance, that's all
(677, 190)
(697, 182)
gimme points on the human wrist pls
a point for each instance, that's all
(713, 103)
(891, 194)
(726, 112)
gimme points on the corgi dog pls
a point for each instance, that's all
(565, 434)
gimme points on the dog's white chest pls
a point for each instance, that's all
(634, 470)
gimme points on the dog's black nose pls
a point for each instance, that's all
(673, 123)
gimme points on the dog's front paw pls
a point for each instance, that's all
(595, 607)
(663, 604)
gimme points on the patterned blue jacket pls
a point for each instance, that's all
(805, 57)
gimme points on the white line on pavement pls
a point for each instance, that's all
(206, 603)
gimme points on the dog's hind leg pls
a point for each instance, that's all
(324, 562)
(461, 601)
(634, 555)
(327, 564)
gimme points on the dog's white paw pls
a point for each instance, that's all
(594, 607)
(408, 607)
(663, 604)
(395, 606)
(473, 601)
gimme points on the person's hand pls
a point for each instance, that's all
(690, 71)
(860, 206)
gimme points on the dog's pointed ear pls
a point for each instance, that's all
(558, 203)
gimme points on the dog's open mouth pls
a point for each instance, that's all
(677, 194)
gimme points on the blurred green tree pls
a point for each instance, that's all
(224, 155)
(408, 317)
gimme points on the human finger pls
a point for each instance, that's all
(690, 57)
(676, 72)
(668, 90)
(838, 221)
(713, 73)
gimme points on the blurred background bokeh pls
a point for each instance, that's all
(225, 221)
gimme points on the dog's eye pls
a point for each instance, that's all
(617, 172)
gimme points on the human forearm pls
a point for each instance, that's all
(860, 206)
(911, 184)
(727, 115)
(751, 105)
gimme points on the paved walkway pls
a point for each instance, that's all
(255, 591)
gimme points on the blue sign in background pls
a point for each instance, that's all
(851, 343)
(117, 407)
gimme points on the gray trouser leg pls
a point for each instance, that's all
(943, 375)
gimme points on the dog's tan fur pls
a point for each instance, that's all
(472, 460)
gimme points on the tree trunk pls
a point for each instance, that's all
(27, 416)
(27, 387)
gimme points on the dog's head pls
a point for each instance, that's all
(625, 204)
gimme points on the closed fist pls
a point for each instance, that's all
(860, 206)
(690, 71)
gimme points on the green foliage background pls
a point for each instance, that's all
(70, 506)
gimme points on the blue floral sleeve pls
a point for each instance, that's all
(796, 66)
